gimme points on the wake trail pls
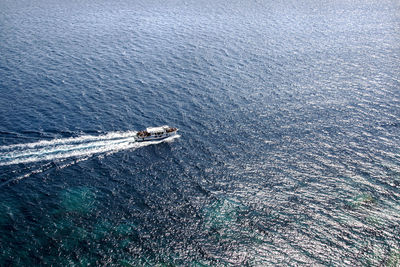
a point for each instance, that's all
(74, 147)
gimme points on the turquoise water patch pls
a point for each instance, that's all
(90, 244)
(73, 237)
(105, 229)
(226, 223)
(221, 214)
(8, 211)
(158, 260)
(79, 200)
(394, 259)
(363, 200)
(375, 221)
(101, 230)
(125, 229)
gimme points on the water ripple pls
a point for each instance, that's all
(289, 114)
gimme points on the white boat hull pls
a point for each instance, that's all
(154, 138)
(155, 133)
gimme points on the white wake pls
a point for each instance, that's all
(74, 147)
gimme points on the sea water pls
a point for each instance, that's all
(289, 146)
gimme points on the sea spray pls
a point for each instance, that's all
(77, 147)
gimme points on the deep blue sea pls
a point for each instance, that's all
(289, 133)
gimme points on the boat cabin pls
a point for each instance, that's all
(157, 132)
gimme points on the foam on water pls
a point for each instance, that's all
(78, 147)
(63, 150)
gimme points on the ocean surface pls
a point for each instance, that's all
(288, 150)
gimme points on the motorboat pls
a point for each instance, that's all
(155, 133)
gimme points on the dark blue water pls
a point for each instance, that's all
(289, 146)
